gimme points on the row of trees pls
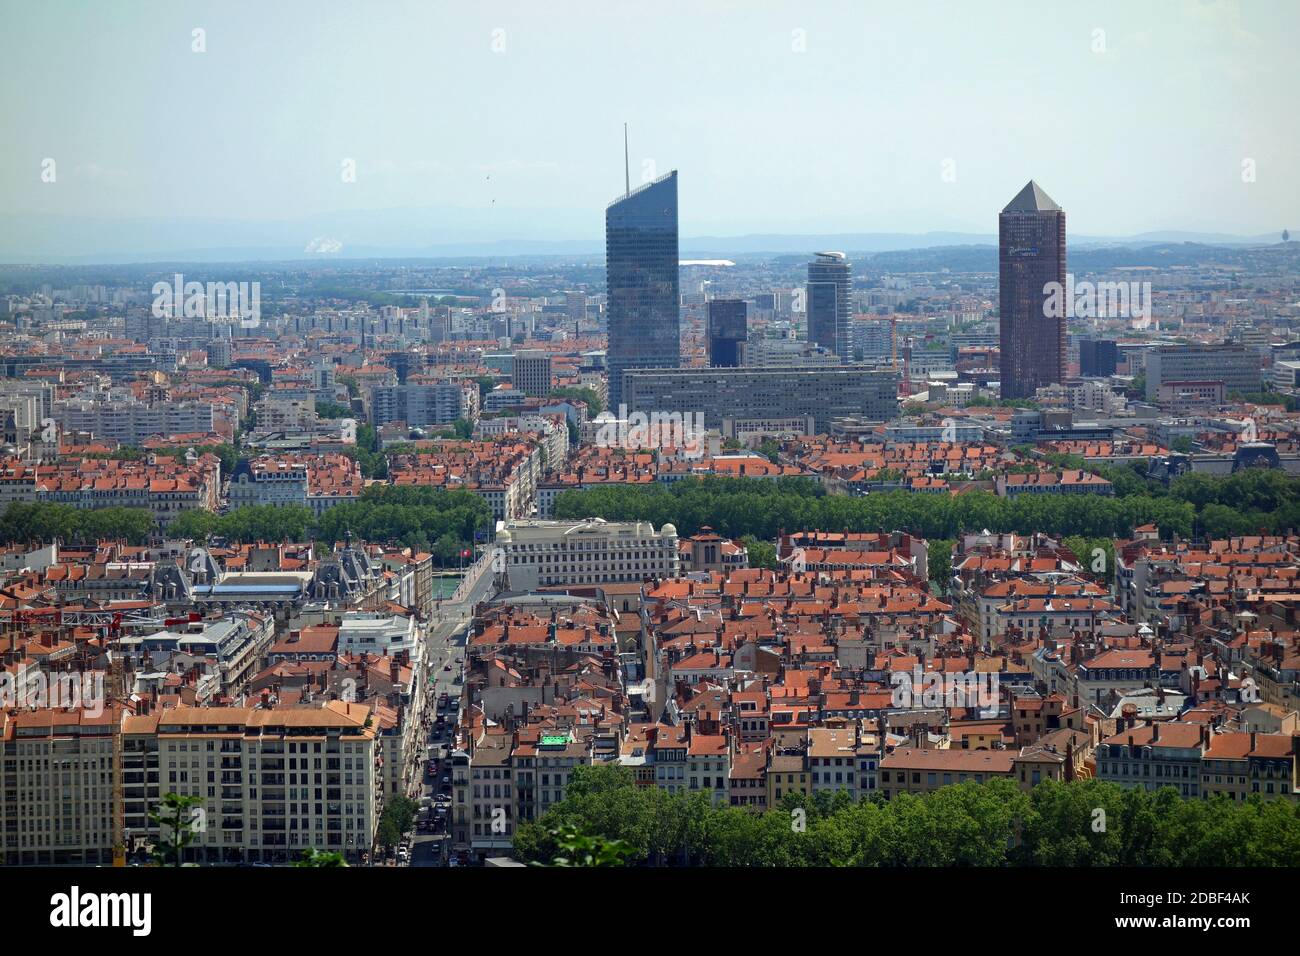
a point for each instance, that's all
(737, 507)
(1243, 503)
(441, 521)
(1088, 823)
(40, 521)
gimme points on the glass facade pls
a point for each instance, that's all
(641, 282)
(828, 304)
(728, 328)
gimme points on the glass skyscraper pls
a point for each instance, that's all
(1031, 254)
(728, 329)
(644, 301)
(828, 304)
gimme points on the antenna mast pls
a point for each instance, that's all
(627, 170)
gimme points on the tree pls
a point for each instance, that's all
(332, 410)
(940, 563)
(1081, 823)
(396, 819)
(587, 395)
(762, 554)
(575, 849)
(322, 858)
(179, 819)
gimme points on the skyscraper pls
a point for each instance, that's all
(1098, 357)
(828, 303)
(728, 328)
(641, 281)
(1031, 254)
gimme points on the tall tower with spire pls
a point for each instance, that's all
(641, 281)
(1031, 256)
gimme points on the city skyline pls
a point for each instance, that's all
(365, 507)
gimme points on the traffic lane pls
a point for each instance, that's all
(429, 849)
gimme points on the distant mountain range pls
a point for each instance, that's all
(443, 233)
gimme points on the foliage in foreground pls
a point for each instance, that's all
(1088, 823)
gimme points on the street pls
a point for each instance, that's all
(445, 643)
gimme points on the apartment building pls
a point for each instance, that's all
(132, 423)
(1160, 754)
(539, 553)
(318, 482)
(920, 770)
(388, 635)
(271, 782)
(503, 472)
(280, 413)
(161, 485)
(1242, 765)
(832, 760)
(420, 406)
(274, 782)
(226, 651)
(57, 773)
(543, 769)
(531, 371)
(752, 392)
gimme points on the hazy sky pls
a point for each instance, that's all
(851, 134)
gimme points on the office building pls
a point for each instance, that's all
(828, 304)
(823, 392)
(1031, 254)
(728, 329)
(1098, 358)
(540, 553)
(641, 281)
(1236, 366)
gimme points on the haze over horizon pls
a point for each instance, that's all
(782, 122)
